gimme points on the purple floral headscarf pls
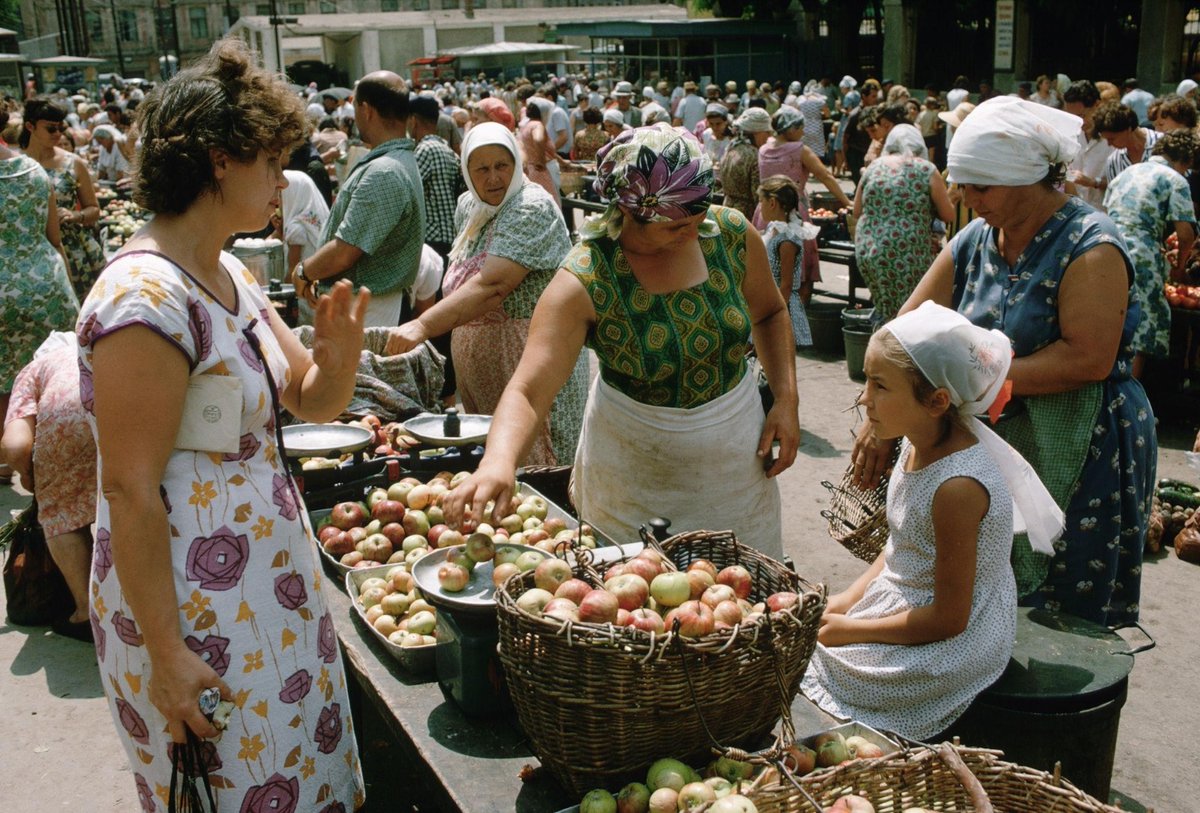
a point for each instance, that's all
(657, 173)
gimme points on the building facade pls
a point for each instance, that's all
(143, 38)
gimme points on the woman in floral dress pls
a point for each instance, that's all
(204, 573)
(35, 292)
(78, 209)
(895, 204)
(511, 240)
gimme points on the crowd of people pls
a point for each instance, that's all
(1012, 244)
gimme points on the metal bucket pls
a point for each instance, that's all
(856, 334)
(262, 258)
(1059, 700)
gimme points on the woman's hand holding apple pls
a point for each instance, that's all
(177, 677)
(489, 483)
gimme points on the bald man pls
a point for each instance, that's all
(377, 225)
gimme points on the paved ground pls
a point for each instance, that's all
(58, 750)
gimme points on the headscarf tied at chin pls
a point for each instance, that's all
(971, 363)
(657, 173)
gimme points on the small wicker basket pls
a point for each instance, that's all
(601, 703)
(940, 778)
(858, 518)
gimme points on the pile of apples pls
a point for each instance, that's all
(647, 594)
(404, 522)
(455, 572)
(672, 786)
(387, 440)
(394, 606)
(821, 213)
(123, 218)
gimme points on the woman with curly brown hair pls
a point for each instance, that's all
(204, 575)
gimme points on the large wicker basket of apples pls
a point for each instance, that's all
(696, 640)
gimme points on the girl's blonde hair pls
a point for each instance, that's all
(893, 352)
(783, 190)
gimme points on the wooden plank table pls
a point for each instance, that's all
(421, 753)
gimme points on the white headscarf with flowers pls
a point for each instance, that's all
(972, 363)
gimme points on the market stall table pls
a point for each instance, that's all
(418, 749)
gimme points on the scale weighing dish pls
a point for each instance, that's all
(430, 429)
(479, 596)
(324, 439)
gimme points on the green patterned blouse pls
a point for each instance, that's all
(680, 349)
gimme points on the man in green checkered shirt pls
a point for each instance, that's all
(377, 225)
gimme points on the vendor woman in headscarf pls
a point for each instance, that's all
(511, 239)
(667, 290)
(1052, 273)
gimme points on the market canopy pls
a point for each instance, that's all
(500, 49)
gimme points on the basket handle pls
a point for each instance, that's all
(970, 782)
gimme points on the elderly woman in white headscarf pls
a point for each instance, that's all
(111, 164)
(895, 204)
(1053, 274)
(511, 239)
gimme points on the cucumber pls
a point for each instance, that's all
(1177, 485)
(1181, 499)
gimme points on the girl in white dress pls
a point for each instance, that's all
(930, 625)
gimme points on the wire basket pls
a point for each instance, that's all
(857, 517)
(600, 703)
(945, 777)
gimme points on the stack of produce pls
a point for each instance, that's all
(122, 218)
(394, 606)
(1175, 503)
(699, 639)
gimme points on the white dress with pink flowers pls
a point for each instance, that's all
(245, 568)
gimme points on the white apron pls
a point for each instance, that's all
(696, 467)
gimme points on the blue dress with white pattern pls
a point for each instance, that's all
(1096, 571)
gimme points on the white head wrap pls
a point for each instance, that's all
(486, 134)
(848, 81)
(304, 210)
(1186, 86)
(108, 131)
(904, 139)
(1008, 141)
(754, 120)
(613, 116)
(972, 363)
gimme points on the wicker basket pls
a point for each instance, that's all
(601, 703)
(942, 778)
(858, 518)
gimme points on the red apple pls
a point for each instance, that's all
(480, 547)
(347, 515)
(553, 525)
(573, 590)
(738, 578)
(781, 601)
(449, 538)
(643, 567)
(647, 620)
(599, 607)
(327, 532)
(699, 581)
(705, 565)
(727, 612)
(695, 619)
(653, 556)
(435, 533)
(561, 608)
(415, 522)
(377, 548)
(388, 511)
(614, 571)
(352, 559)
(551, 574)
(339, 544)
(623, 617)
(394, 531)
(357, 534)
(402, 580)
(501, 573)
(630, 590)
(718, 593)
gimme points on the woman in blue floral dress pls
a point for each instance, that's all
(1053, 274)
(205, 573)
(1147, 201)
(35, 292)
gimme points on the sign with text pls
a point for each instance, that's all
(1006, 13)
